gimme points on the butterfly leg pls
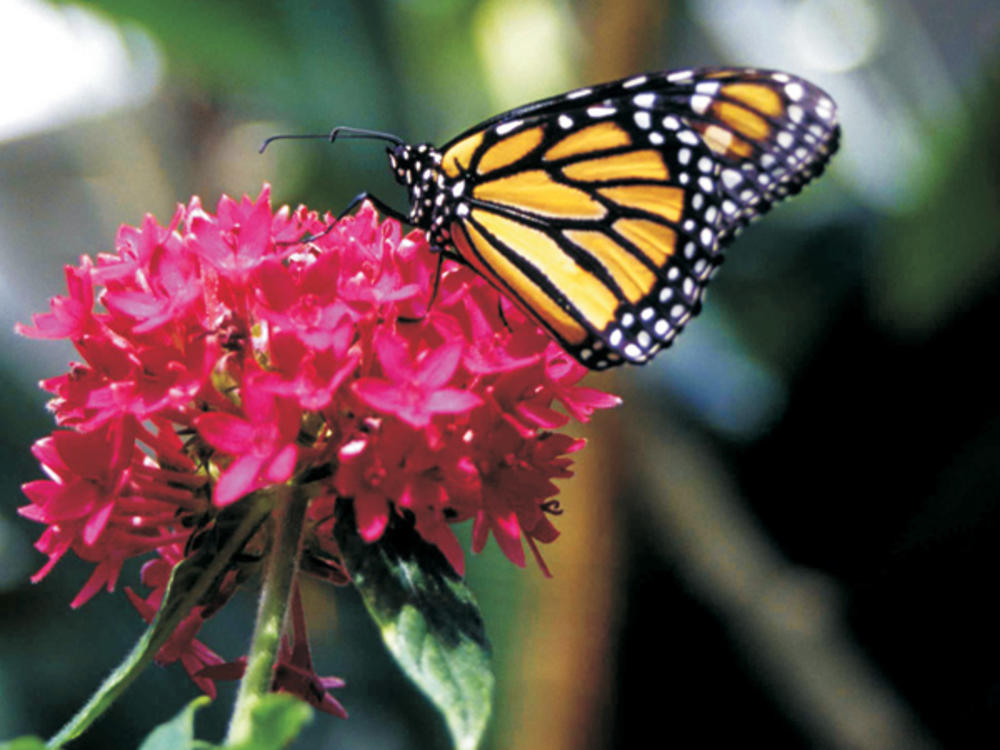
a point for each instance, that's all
(385, 208)
(434, 291)
(503, 317)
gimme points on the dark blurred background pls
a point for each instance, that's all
(790, 532)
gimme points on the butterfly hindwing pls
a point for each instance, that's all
(605, 237)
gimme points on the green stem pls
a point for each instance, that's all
(289, 515)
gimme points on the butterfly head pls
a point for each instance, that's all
(418, 169)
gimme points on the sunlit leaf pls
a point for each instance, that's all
(23, 743)
(276, 720)
(178, 733)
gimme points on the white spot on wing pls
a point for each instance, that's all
(645, 100)
(507, 127)
(824, 108)
(731, 178)
(700, 103)
(600, 111)
(688, 137)
(794, 91)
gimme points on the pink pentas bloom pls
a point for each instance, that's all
(233, 352)
(104, 501)
(71, 316)
(263, 443)
(415, 391)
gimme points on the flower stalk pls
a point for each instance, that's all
(291, 503)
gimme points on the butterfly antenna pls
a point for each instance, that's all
(341, 131)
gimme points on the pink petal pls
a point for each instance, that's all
(439, 365)
(372, 515)
(206, 241)
(394, 357)
(282, 466)
(441, 536)
(41, 492)
(452, 401)
(96, 523)
(238, 480)
(541, 416)
(226, 432)
(382, 395)
(507, 532)
(255, 229)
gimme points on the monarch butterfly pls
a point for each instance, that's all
(602, 212)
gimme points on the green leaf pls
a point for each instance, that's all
(178, 733)
(23, 743)
(428, 618)
(276, 720)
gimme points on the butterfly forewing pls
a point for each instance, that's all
(770, 132)
(602, 211)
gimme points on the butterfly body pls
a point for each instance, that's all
(602, 212)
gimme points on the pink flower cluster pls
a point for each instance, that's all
(222, 355)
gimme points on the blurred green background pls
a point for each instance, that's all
(790, 532)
